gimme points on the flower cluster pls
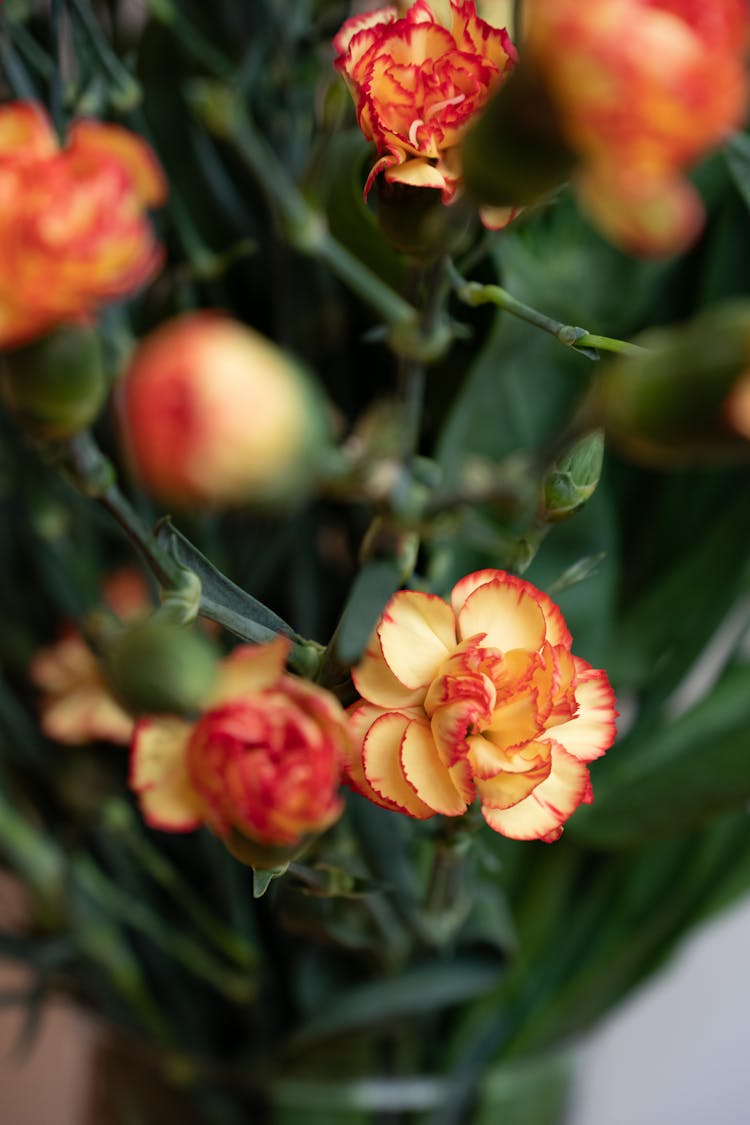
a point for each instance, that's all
(417, 84)
(73, 228)
(264, 759)
(643, 88)
(482, 698)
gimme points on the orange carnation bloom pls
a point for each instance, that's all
(482, 698)
(264, 759)
(417, 84)
(644, 89)
(73, 228)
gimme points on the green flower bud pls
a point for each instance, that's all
(156, 666)
(516, 152)
(671, 404)
(572, 480)
(55, 387)
(417, 223)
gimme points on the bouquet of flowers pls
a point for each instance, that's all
(338, 545)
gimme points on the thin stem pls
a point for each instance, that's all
(94, 475)
(305, 228)
(473, 294)
(126, 91)
(609, 344)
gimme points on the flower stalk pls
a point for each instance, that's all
(472, 293)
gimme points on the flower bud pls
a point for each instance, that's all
(680, 400)
(213, 414)
(268, 767)
(572, 480)
(157, 666)
(55, 387)
(417, 223)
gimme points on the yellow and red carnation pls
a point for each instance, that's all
(479, 698)
(73, 226)
(643, 88)
(416, 85)
(263, 760)
(77, 705)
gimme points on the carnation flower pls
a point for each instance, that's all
(73, 226)
(417, 84)
(643, 89)
(263, 760)
(482, 698)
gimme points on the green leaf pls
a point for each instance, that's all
(429, 987)
(374, 585)
(262, 878)
(221, 599)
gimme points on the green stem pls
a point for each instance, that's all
(94, 475)
(304, 227)
(473, 294)
(126, 93)
(189, 37)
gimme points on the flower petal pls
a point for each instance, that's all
(417, 633)
(249, 669)
(506, 609)
(592, 730)
(381, 756)
(508, 789)
(376, 683)
(416, 173)
(158, 774)
(90, 138)
(425, 772)
(361, 718)
(542, 814)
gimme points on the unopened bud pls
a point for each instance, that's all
(213, 414)
(417, 223)
(55, 387)
(156, 666)
(682, 398)
(572, 480)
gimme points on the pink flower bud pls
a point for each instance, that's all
(213, 414)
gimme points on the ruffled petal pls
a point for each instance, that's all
(376, 683)
(425, 772)
(508, 789)
(417, 633)
(93, 140)
(158, 774)
(592, 730)
(542, 814)
(382, 765)
(249, 669)
(506, 609)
